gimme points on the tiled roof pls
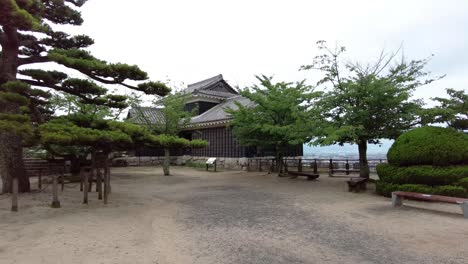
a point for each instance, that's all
(217, 113)
(203, 84)
(209, 88)
(212, 93)
(145, 115)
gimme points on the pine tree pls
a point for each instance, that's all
(27, 36)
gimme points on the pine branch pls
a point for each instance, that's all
(33, 59)
(58, 88)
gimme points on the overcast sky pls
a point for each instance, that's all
(187, 41)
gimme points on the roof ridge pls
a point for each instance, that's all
(214, 78)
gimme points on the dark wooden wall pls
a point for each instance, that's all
(221, 143)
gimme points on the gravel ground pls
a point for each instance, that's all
(229, 217)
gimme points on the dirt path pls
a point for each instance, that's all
(228, 217)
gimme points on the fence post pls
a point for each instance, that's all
(39, 183)
(331, 167)
(260, 165)
(315, 166)
(299, 165)
(347, 167)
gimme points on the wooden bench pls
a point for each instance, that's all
(310, 176)
(357, 184)
(397, 199)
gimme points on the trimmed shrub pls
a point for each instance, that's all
(463, 183)
(436, 146)
(449, 190)
(386, 189)
(427, 175)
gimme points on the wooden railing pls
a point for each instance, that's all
(331, 166)
(41, 168)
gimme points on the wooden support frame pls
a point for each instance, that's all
(85, 186)
(14, 195)
(55, 201)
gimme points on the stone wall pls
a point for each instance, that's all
(222, 163)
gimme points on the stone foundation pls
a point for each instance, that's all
(222, 163)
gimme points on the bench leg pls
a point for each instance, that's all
(357, 188)
(464, 207)
(396, 200)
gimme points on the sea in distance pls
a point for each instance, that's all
(347, 151)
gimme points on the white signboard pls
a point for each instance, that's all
(211, 161)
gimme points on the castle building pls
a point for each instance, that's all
(210, 97)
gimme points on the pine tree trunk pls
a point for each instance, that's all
(11, 148)
(363, 164)
(11, 163)
(167, 162)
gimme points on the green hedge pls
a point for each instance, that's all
(463, 183)
(427, 175)
(436, 146)
(386, 189)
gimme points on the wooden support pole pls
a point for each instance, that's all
(55, 201)
(62, 176)
(90, 179)
(81, 179)
(299, 165)
(315, 166)
(85, 187)
(347, 167)
(39, 182)
(93, 167)
(14, 195)
(99, 184)
(108, 177)
(331, 167)
(106, 185)
(97, 176)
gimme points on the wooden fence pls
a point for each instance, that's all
(330, 166)
(41, 168)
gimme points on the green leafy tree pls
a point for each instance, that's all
(27, 37)
(278, 118)
(172, 120)
(453, 110)
(366, 103)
